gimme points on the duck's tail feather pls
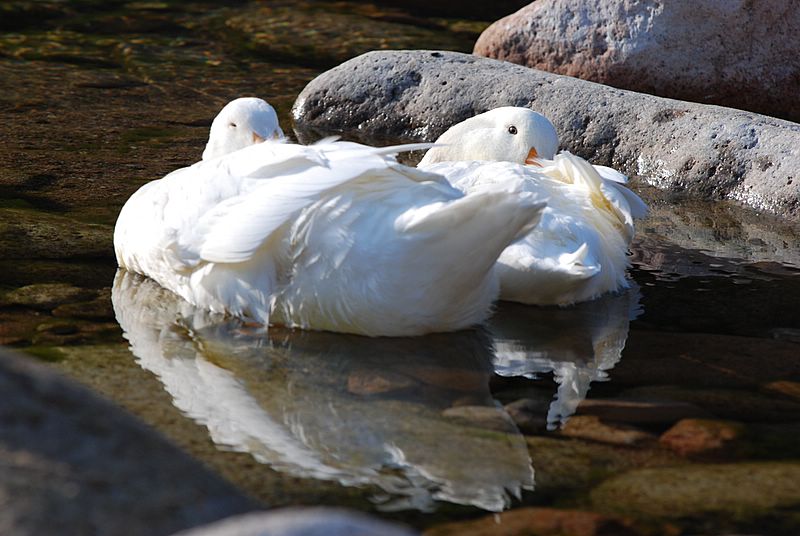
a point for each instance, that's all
(604, 185)
(578, 263)
(636, 207)
(611, 174)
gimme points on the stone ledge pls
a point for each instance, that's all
(705, 151)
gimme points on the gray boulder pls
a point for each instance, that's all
(705, 151)
(732, 53)
(73, 463)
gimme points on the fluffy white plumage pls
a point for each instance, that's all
(579, 249)
(335, 236)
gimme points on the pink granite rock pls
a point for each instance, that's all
(703, 437)
(736, 53)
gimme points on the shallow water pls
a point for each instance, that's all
(99, 99)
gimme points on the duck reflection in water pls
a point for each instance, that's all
(400, 414)
(577, 344)
(356, 410)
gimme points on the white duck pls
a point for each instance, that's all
(579, 249)
(335, 236)
(241, 123)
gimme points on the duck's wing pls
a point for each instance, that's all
(235, 229)
(475, 176)
(154, 224)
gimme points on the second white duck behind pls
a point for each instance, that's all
(335, 236)
(579, 249)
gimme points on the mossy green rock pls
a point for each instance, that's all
(573, 465)
(26, 234)
(46, 295)
(741, 492)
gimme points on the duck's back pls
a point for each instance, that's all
(385, 256)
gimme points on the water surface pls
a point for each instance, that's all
(98, 99)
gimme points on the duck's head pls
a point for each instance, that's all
(509, 134)
(241, 123)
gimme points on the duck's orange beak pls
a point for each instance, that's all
(257, 138)
(531, 158)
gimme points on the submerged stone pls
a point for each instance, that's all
(98, 309)
(373, 382)
(79, 274)
(737, 492)
(530, 415)
(46, 296)
(786, 387)
(702, 437)
(27, 234)
(472, 9)
(565, 466)
(592, 428)
(489, 417)
(17, 327)
(639, 411)
(329, 37)
(539, 522)
(62, 332)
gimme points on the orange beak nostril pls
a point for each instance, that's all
(531, 158)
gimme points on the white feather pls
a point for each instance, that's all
(318, 237)
(578, 251)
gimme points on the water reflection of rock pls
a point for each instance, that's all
(716, 268)
(708, 239)
(351, 409)
(578, 344)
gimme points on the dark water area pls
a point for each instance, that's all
(676, 403)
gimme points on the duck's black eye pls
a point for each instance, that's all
(232, 125)
(512, 129)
